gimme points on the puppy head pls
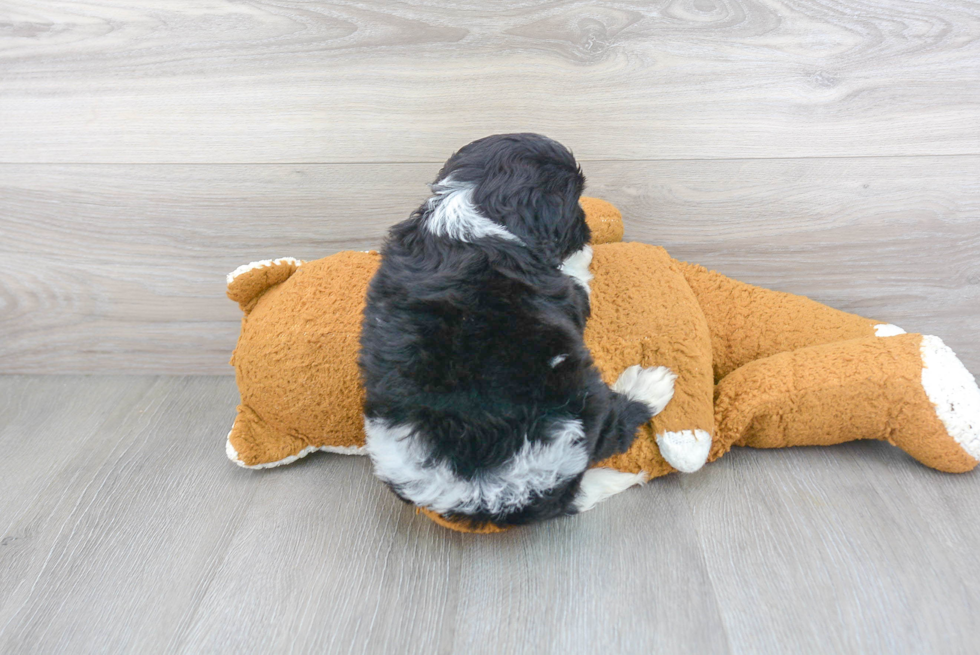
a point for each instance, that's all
(527, 183)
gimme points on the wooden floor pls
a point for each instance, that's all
(823, 147)
(125, 529)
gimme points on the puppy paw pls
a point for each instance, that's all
(624, 441)
(653, 386)
(687, 450)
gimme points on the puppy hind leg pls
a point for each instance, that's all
(618, 431)
(601, 483)
(623, 418)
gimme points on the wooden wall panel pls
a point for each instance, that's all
(110, 268)
(372, 81)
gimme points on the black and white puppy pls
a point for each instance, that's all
(483, 403)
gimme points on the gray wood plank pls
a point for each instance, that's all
(157, 544)
(374, 81)
(46, 427)
(329, 561)
(143, 538)
(627, 577)
(63, 414)
(119, 548)
(121, 268)
(849, 549)
(101, 263)
(153, 542)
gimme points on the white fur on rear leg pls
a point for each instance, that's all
(687, 450)
(953, 390)
(599, 484)
(654, 387)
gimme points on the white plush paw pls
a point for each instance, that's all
(687, 450)
(888, 330)
(954, 392)
(653, 386)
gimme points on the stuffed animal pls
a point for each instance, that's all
(754, 367)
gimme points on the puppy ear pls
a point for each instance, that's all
(558, 218)
(529, 184)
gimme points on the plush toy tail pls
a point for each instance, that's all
(910, 390)
(246, 283)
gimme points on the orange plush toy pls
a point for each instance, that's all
(754, 367)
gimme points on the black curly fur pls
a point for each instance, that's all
(458, 337)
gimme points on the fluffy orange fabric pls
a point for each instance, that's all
(755, 367)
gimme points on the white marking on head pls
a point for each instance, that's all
(402, 459)
(557, 359)
(452, 213)
(953, 390)
(577, 267)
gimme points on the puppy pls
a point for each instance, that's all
(483, 403)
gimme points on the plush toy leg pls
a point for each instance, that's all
(748, 322)
(909, 390)
(658, 323)
(254, 444)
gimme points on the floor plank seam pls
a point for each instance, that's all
(707, 570)
(182, 632)
(435, 162)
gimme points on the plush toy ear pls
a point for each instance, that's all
(246, 283)
(605, 221)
